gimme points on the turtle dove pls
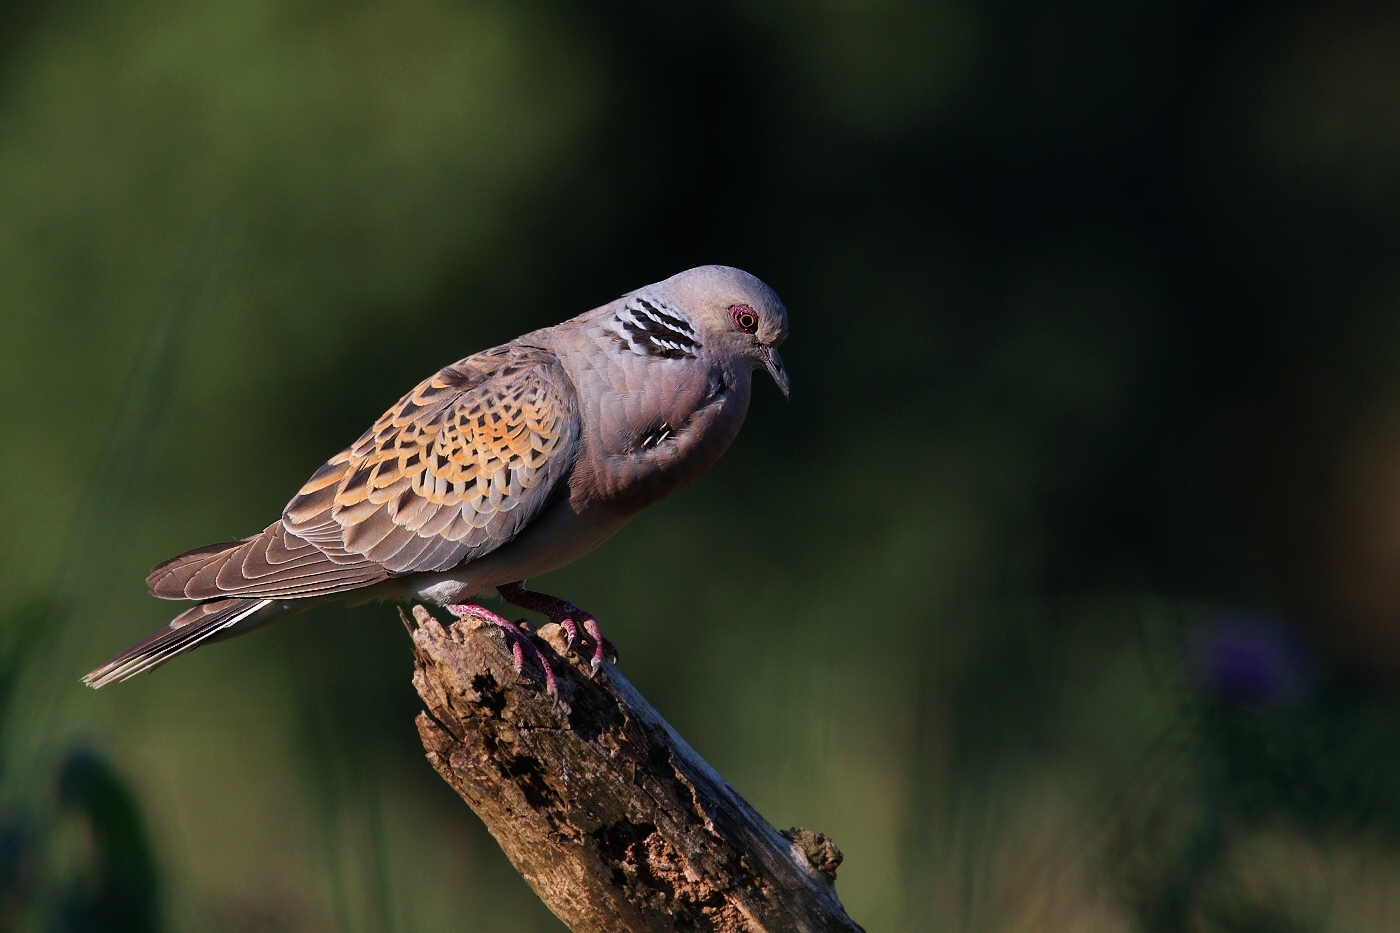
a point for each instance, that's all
(502, 466)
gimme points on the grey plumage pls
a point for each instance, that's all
(503, 465)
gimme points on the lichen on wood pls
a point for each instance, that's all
(613, 820)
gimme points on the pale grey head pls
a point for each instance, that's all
(721, 308)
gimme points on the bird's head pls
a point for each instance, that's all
(736, 314)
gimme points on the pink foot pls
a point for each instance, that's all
(563, 614)
(520, 644)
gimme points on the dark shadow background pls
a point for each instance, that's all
(1065, 593)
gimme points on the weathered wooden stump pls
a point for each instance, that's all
(615, 822)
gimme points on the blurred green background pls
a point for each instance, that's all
(1064, 595)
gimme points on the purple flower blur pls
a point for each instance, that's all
(1247, 657)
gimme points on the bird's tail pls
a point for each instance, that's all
(218, 618)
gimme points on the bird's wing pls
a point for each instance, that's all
(453, 471)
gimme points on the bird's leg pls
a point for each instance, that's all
(563, 614)
(520, 643)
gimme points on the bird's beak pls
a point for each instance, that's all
(774, 364)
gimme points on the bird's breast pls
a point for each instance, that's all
(645, 446)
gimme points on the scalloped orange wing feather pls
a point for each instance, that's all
(457, 468)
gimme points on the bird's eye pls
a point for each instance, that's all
(744, 318)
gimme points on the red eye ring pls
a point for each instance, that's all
(744, 318)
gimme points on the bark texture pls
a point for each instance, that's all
(613, 820)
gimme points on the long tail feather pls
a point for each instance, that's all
(274, 563)
(190, 628)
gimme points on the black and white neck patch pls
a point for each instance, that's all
(651, 328)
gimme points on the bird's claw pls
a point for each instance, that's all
(570, 631)
(601, 645)
(603, 650)
(520, 644)
(565, 615)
